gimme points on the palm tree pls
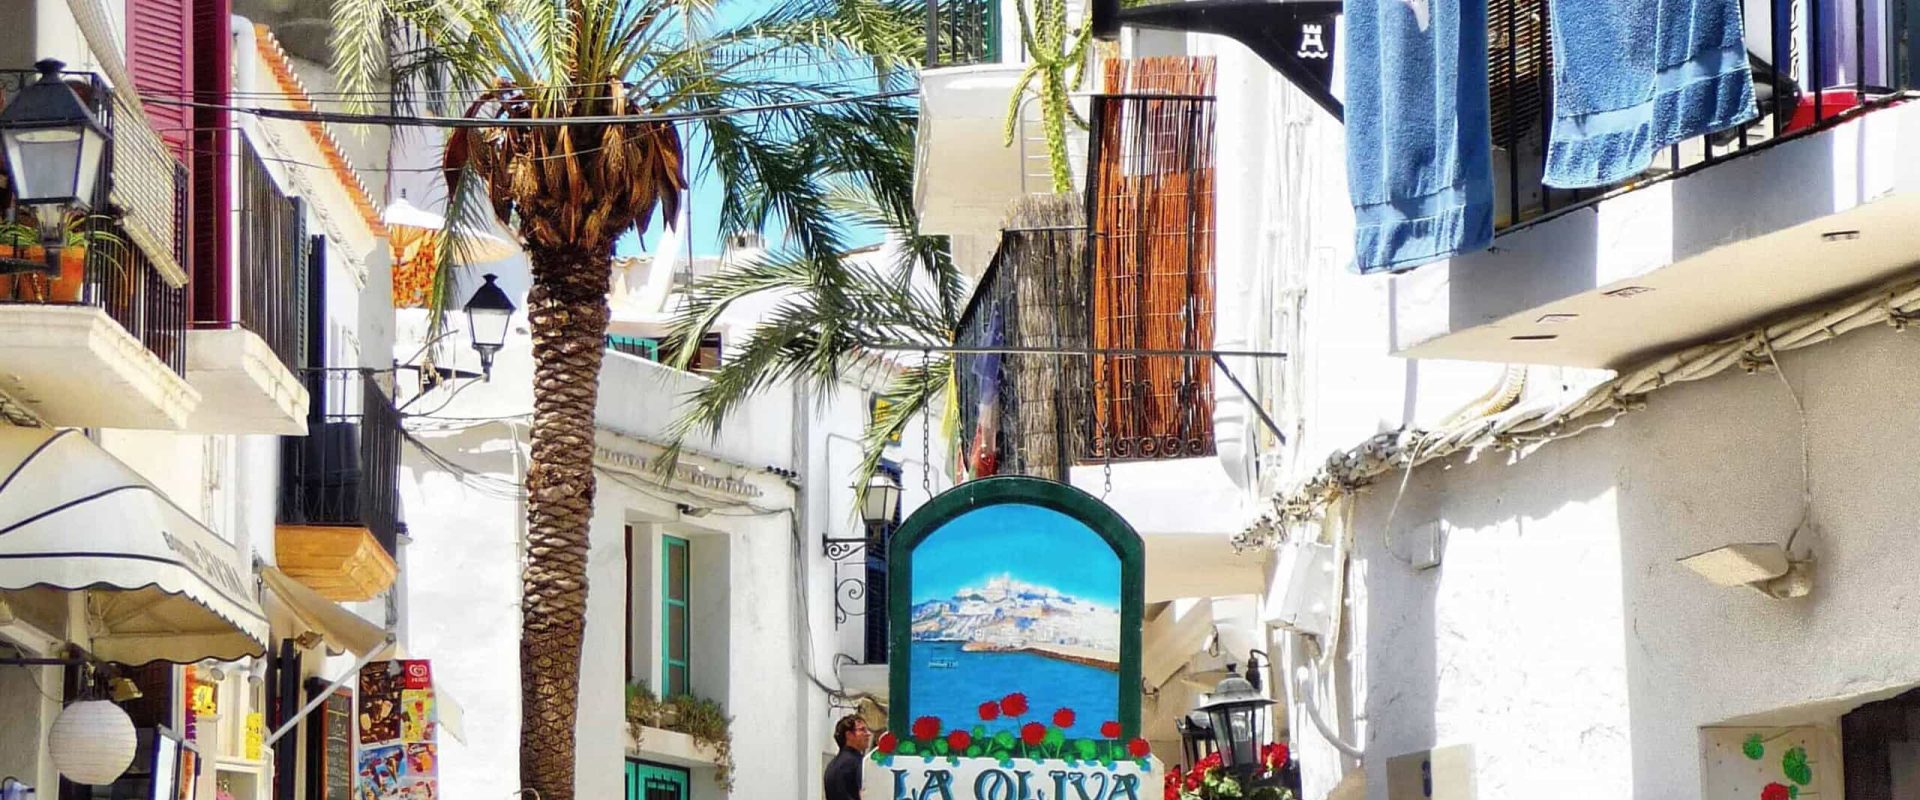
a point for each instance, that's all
(587, 103)
(834, 319)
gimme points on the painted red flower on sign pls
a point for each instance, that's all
(1013, 705)
(888, 744)
(989, 711)
(1138, 748)
(958, 741)
(1110, 729)
(1063, 718)
(1775, 791)
(1033, 733)
(926, 728)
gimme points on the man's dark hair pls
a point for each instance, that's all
(844, 727)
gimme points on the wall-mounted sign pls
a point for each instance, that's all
(1016, 603)
(399, 757)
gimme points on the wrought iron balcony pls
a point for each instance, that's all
(106, 263)
(1820, 61)
(962, 32)
(345, 472)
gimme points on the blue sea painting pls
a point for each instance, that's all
(1015, 598)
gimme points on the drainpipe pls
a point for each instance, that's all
(803, 646)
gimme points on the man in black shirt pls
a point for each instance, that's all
(843, 772)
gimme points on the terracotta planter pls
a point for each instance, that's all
(39, 287)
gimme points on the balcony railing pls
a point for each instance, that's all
(346, 470)
(1816, 64)
(271, 265)
(104, 265)
(962, 32)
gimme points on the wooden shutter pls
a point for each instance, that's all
(211, 163)
(160, 56)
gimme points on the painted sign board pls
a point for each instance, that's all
(1015, 606)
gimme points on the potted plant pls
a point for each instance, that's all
(1210, 780)
(83, 234)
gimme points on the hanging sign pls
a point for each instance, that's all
(1016, 605)
(398, 731)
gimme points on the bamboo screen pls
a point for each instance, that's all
(1153, 226)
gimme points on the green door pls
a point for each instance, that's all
(655, 782)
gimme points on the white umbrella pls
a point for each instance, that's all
(481, 245)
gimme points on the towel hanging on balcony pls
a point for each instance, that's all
(1634, 76)
(1418, 163)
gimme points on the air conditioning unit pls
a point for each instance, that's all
(1300, 591)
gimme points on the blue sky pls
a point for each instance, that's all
(1036, 545)
(703, 198)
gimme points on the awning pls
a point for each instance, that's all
(158, 585)
(343, 630)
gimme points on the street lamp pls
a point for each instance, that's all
(54, 145)
(881, 498)
(1234, 710)
(488, 312)
(1196, 735)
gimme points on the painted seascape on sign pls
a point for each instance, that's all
(1016, 599)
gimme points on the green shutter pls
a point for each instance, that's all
(675, 617)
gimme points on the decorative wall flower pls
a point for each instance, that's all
(1063, 718)
(989, 711)
(888, 743)
(1033, 733)
(1110, 729)
(1775, 791)
(1014, 705)
(958, 741)
(926, 728)
(1138, 748)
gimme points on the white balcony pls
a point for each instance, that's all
(1701, 255)
(642, 399)
(73, 365)
(965, 175)
(243, 385)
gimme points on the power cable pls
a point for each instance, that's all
(403, 121)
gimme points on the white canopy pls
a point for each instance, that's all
(482, 246)
(158, 585)
(343, 630)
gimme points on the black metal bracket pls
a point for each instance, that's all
(1295, 38)
(849, 576)
(1252, 401)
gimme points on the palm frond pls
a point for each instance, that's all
(908, 396)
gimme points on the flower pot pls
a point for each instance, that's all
(39, 287)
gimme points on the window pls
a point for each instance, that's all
(648, 781)
(650, 348)
(674, 617)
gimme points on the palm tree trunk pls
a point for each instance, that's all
(567, 308)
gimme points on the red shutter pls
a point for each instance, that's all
(160, 55)
(212, 80)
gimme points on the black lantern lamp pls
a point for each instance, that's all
(880, 500)
(1196, 735)
(54, 145)
(1235, 710)
(488, 312)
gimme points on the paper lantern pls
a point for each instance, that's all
(92, 742)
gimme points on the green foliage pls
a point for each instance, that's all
(1059, 62)
(1754, 747)
(1794, 765)
(702, 719)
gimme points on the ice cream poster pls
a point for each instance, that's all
(1016, 605)
(398, 732)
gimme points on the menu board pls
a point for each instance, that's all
(330, 768)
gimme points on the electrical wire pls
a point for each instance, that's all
(404, 121)
(1806, 453)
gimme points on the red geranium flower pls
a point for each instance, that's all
(926, 728)
(1276, 755)
(1063, 718)
(888, 744)
(1013, 705)
(958, 741)
(1110, 729)
(1775, 791)
(989, 711)
(1138, 748)
(1172, 784)
(1033, 733)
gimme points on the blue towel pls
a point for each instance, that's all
(1634, 76)
(1418, 144)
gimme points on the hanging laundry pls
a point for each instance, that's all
(1418, 147)
(1634, 76)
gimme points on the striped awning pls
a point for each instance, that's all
(153, 583)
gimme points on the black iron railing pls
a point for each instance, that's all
(99, 264)
(271, 265)
(346, 470)
(962, 32)
(1819, 61)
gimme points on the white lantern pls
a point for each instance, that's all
(92, 742)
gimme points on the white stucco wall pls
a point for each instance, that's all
(1560, 637)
